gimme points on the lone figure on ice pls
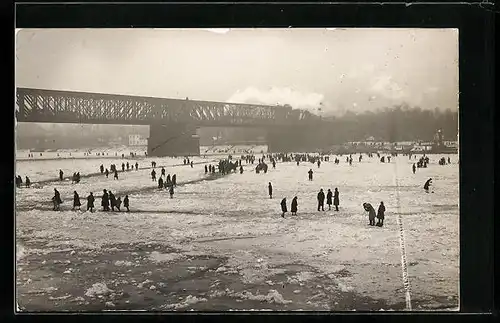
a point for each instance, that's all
(293, 207)
(105, 201)
(371, 213)
(336, 199)
(381, 214)
(329, 196)
(427, 184)
(76, 200)
(153, 175)
(90, 202)
(414, 168)
(126, 203)
(61, 175)
(310, 172)
(56, 200)
(270, 188)
(283, 207)
(321, 200)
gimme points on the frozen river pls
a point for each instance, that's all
(232, 234)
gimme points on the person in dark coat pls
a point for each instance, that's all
(319, 163)
(112, 201)
(28, 182)
(283, 207)
(206, 169)
(449, 161)
(270, 189)
(191, 164)
(56, 200)
(310, 172)
(101, 168)
(336, 199)
(329, 196)
(126, 203)
(321, 200)
(76, 200)
(105, 201)
(136, 166)
(163, 171)
(414, 168)
(427, 184)
(381, 214)
(171, 191)
(118, 203)
(123, 167)
(116, 174)
(160, 183)
(241, 169)
(293, 207)
(174, 180)
(371, 213)
(107, 173)
(61, 175)
(153, 175)
(90, 202)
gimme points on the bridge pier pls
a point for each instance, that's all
(294, 139)
(173, 140)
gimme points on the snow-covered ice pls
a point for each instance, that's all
(233, 217)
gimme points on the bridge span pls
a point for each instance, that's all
(173, 122)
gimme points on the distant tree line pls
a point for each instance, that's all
(400, 123)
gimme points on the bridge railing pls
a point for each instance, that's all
(38, 105)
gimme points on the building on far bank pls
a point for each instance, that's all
(137, 140)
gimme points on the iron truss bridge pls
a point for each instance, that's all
(39, 105)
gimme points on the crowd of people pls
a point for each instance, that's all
(225, 166)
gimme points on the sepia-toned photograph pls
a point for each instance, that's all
(236, 170)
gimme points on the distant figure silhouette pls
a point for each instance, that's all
(293, 207)
(283, 207)
(90, 202)
(310, 172)
(270, 188)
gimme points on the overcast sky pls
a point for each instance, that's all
(339, 69)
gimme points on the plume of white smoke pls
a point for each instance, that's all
(279, 96)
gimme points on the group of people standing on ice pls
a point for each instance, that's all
(331, 198)
(380, 215)
(169, 183)
(19, 181)
(108, 199)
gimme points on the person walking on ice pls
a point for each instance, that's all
(329, 196)
(371, 213)
(283, 207)
(321, 200)
(270, 188)
(118, 203)
(310, 172)
(56, 200)
(381, 215)
(171, 191)
(293, 207)
(414, 168)
(427, 184)
(336, 199)
(126, 203)
(90, 202)
(153, 175)
(76, 201)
